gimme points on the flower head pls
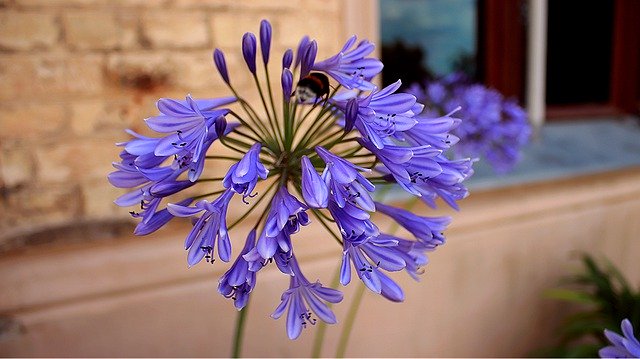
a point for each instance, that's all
(316, 151)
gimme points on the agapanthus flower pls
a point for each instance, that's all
(295, 160)
(303, 299)
(622, 346)
(493, 128)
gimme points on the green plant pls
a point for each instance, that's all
(603, 298)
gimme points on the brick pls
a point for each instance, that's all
(46, 204)
(196, 71)
(292, 27)
(130, 29)
(76, 161)
(144, 71)
(175, 30)
(50, 75)
(31, 121)
(16, 166)
(60, 3)
(227, 30)
(92, 30)
(27, 30)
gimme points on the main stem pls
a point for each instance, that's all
(237, 338)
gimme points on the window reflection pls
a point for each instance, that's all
(423, 39)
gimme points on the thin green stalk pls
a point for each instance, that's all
(350, 320)
(246, 214)
(276, 133)
(239, 333)
(322, 326)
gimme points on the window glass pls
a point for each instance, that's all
(422, 39)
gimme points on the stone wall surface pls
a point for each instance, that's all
(74, 74)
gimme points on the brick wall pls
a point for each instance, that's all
(75, 73)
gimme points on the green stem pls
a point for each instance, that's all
(322, 326)
(350, 320)
(237, 337)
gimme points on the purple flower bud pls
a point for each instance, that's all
(221, 64)
(265, 40)
(308, 58)
(287, 84)
(314, 190)
(350, 114)
(302, 47)
(249, 51)
(287, 58)
(220, 125)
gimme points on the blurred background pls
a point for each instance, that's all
(75, 73)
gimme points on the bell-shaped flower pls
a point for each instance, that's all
(408, 165)
(238, 282)
(242, 176)
(314, 189)
(352, 221)
(380, 114)
(350, 67)
(188, 123)
(286, 214)
(368, 255)
(428, 230)
(345, 182)
(302, 300)
(211, 225)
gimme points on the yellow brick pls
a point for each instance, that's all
(76, 161)
(98, 197)
(175, 29)
(20, 121)
(92, 30)
(227, 29)
(27, 30)
(16, 166)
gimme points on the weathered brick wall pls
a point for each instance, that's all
(75, 73)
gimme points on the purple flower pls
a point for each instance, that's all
(427, 230)
(249, 51)
(189, 123)
(350, 67)
(287, 59)
(492, 128)
(211, 225)
(623, 346)
(368, 254)
(286, 214)
(303, 299)
(159, 219)
(242, 177)
(314, 190)
(287, 84)
(238, 282)
(346, 183)
(352, 221)
(361, 136)
(265, 40)
(308, 57)
(382, 113)
(221, 64)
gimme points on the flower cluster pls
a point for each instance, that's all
(494, 128)
(320, 153)
(622, 346)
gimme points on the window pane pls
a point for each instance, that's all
(579, 51)
(428, 38)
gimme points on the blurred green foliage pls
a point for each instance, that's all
(602, 299)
